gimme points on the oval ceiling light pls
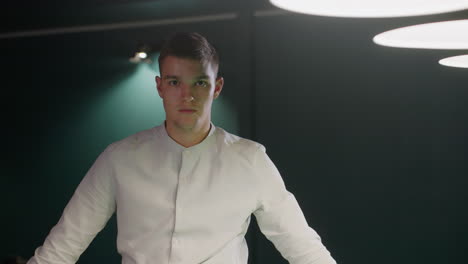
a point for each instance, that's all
(439, 35)
(457, 61)
(371, 8)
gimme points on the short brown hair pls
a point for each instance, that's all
(189, 45)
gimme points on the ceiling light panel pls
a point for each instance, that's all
(457, 61)
(439, 35)
(371, 8)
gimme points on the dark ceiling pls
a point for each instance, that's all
(30, 15)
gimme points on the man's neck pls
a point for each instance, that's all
(187, 137)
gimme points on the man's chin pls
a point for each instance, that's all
(187, 125)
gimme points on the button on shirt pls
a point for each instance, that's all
(182, 205)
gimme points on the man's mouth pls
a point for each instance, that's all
(187, 110)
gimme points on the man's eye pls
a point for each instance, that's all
(201, 83)
(173, 82)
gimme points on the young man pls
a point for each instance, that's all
(184, 191)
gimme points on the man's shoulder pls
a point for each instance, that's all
(236, 142)
(134, 141)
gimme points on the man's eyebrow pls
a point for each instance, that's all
(177, 77)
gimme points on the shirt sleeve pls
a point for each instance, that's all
(281, 219)
(88, 211)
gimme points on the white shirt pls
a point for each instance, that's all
(178, 205)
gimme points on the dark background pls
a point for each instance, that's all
(370, 139)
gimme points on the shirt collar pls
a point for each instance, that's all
(172, 145)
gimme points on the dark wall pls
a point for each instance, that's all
(371, 140)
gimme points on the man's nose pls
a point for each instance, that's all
(186, 93)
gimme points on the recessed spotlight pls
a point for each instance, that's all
(141, 54)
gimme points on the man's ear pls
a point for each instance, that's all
(218, 86)
(159, 85)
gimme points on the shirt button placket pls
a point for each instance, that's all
(176, 242)
(183, 175)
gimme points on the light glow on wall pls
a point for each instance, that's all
(456, 61)
(371, 8)
(438, 35)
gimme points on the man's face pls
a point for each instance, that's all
(188, 89)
